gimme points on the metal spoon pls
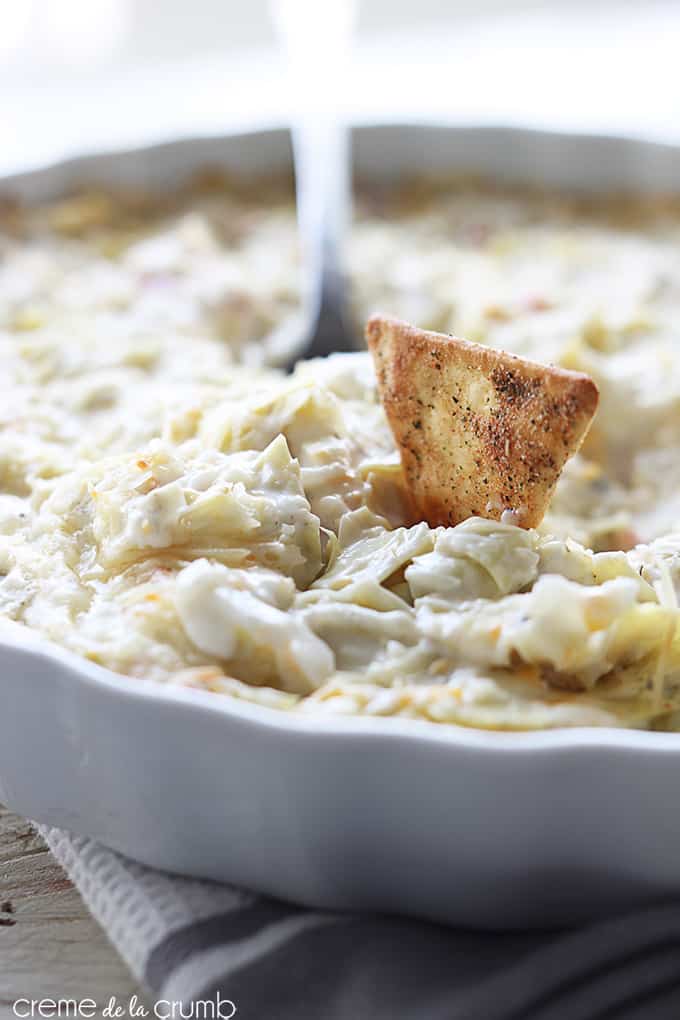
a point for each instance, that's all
(315, 38)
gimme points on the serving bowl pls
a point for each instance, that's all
(482, 829)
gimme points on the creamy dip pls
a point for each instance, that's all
(172, 509)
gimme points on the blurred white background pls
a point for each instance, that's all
(82, 74)
(43, 38)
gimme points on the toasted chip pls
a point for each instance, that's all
(480, 431)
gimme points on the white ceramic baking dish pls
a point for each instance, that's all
(476, 828)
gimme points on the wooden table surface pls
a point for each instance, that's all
(50, 946)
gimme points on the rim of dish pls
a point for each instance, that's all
(272, 127)
(44, 653)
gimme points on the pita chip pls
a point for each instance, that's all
(480, 431)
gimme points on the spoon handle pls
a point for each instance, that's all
(323, 197)
(315, 37)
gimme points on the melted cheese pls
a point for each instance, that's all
(172, 509)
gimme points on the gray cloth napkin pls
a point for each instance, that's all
(190, 942)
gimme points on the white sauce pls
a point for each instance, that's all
(170, 510)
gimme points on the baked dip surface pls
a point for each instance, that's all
(173, 508)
